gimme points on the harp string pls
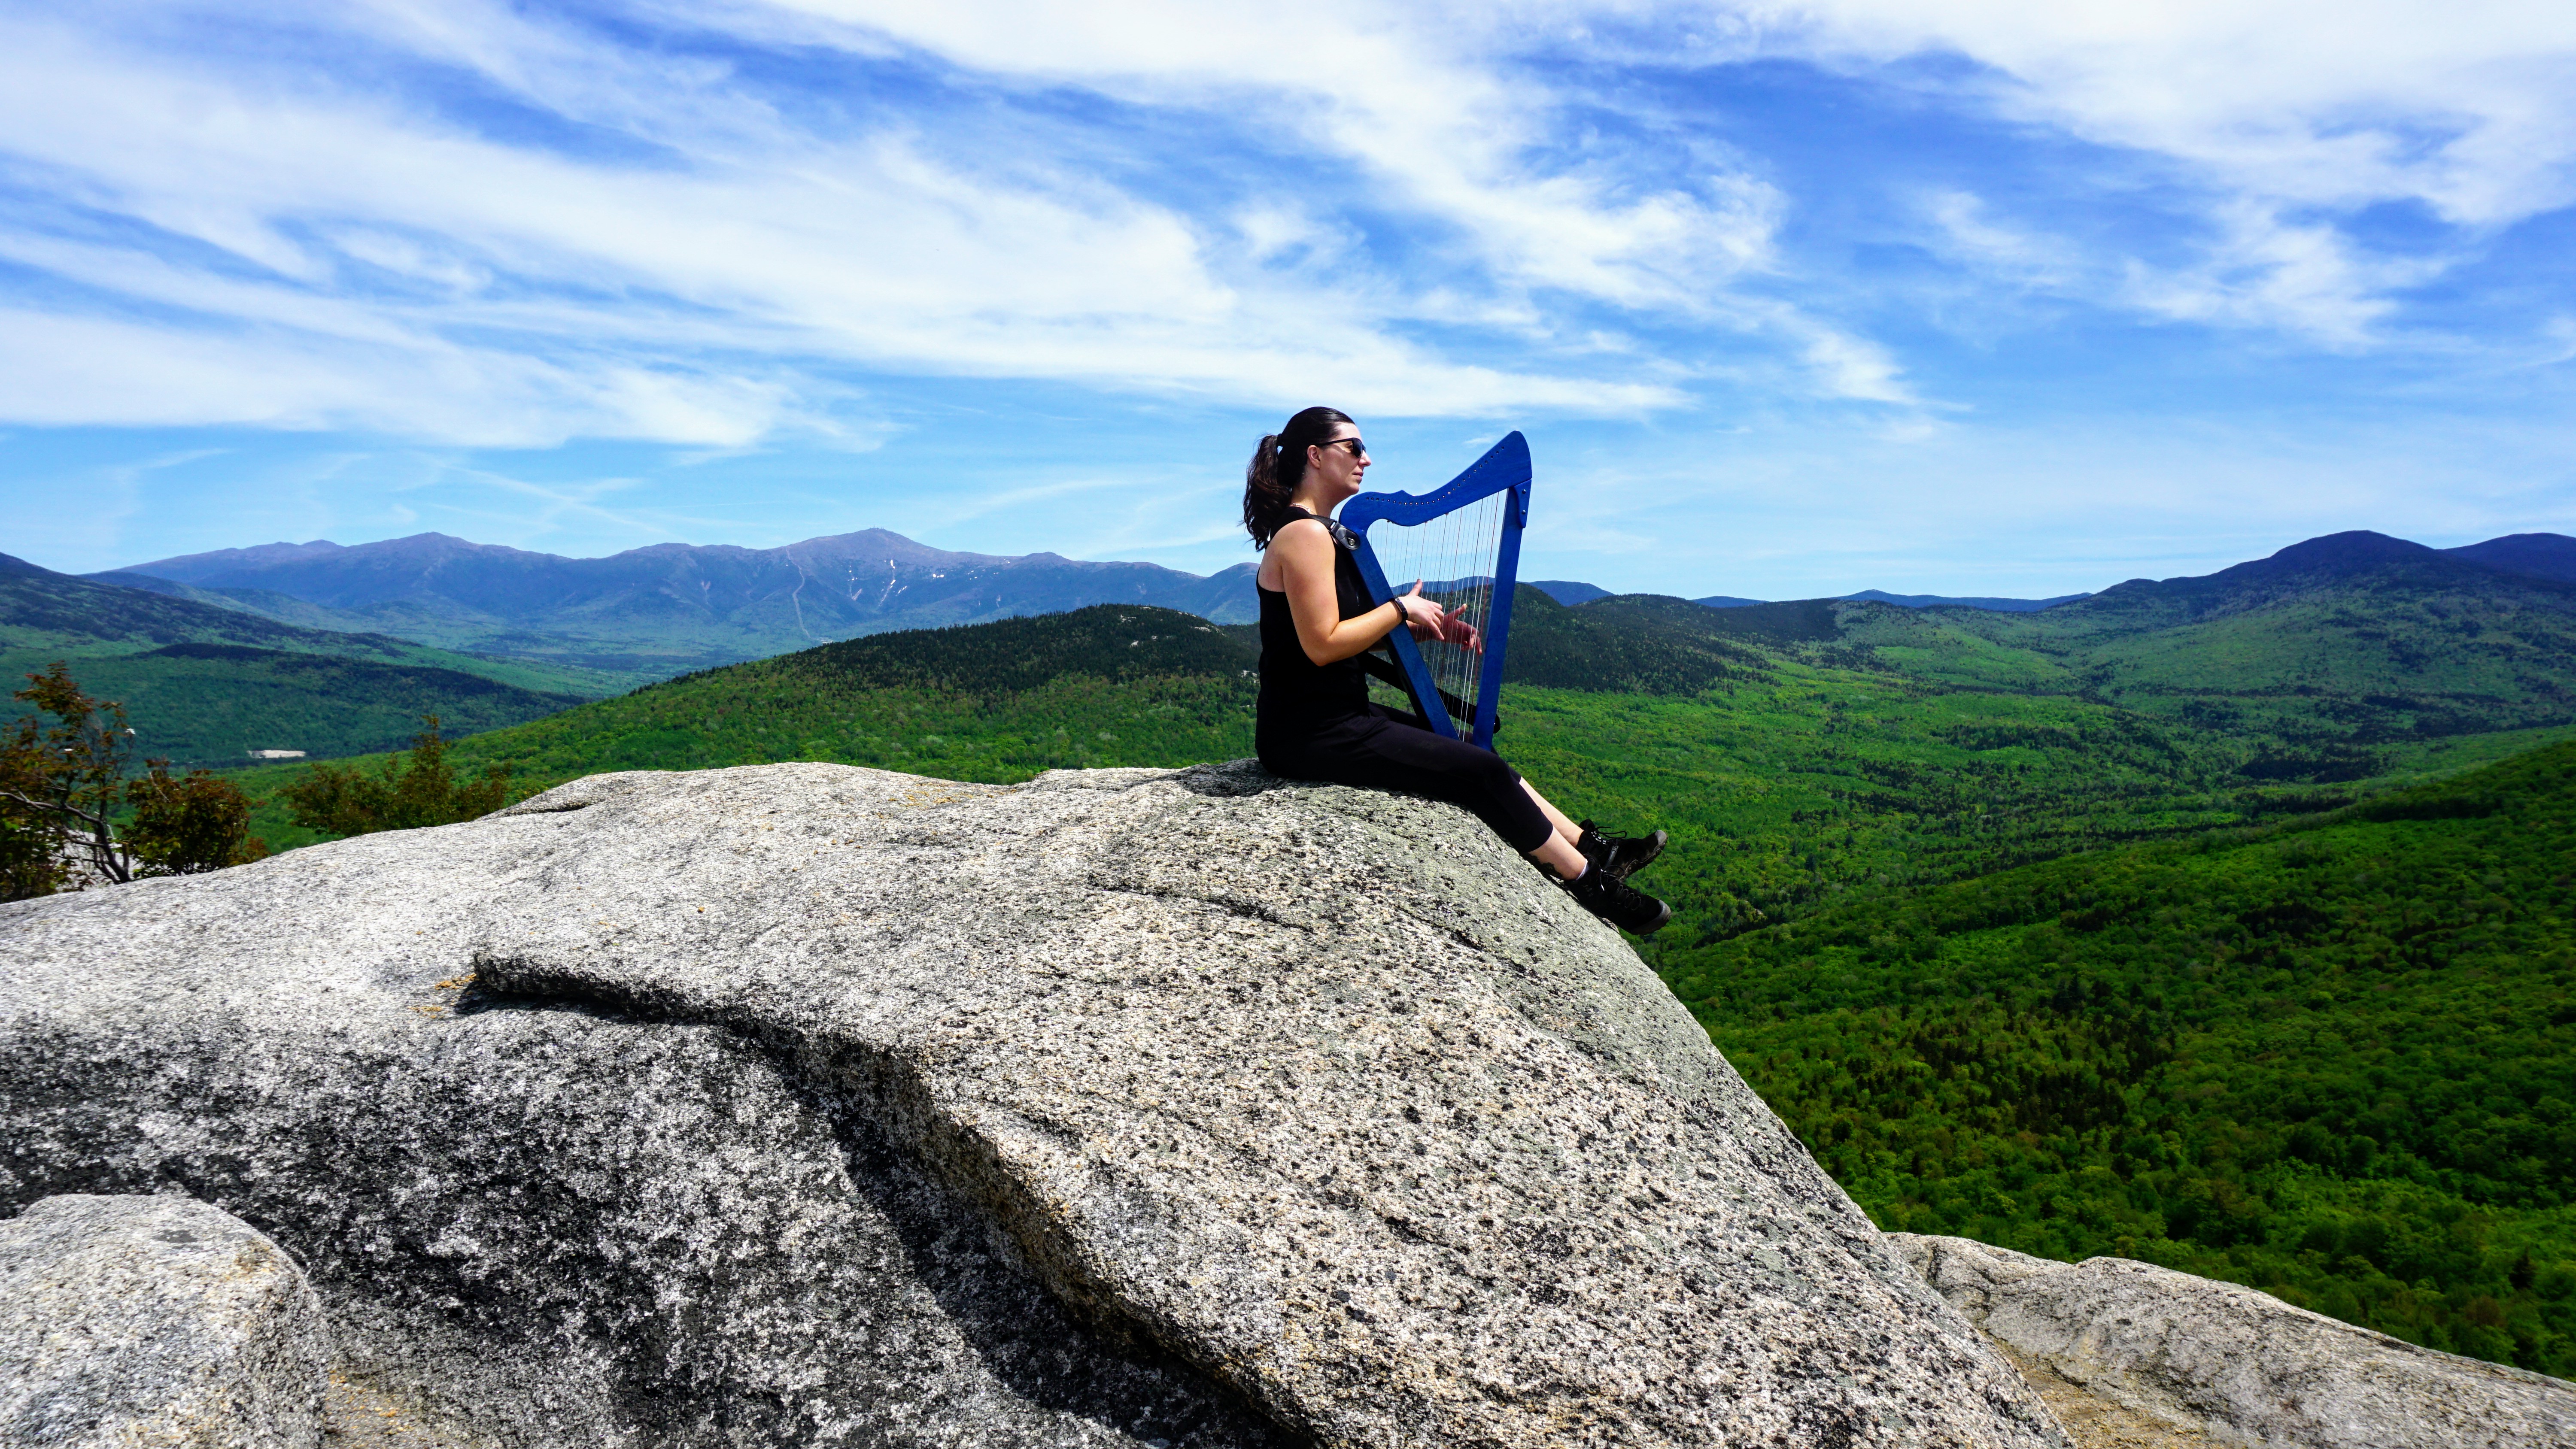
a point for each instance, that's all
(1455, 556)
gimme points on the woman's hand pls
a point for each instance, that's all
(1423, 616)
(1428, 620)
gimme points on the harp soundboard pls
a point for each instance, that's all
(1463, 541)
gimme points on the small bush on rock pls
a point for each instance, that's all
(188, 825)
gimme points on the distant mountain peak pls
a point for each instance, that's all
(261, 555)
(1570, 592)
(2541, 567)
(2356, 552)
(2353, 547)
(2542, 555)
(1989, 604)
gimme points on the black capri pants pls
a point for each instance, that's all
(1386, 750)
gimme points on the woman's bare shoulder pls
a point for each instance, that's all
(1302, 540)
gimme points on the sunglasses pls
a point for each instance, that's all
(1358, 448)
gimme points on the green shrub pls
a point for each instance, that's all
(407, 792)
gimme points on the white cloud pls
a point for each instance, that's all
(2287, 116)
(1854, 367)
(74, 370)
(2266, 272)
(605, 294)
(2469, 107)
(2254, 270)
(1968, 231)
(1429, 100)
(481, 222)
(2291, 115)
(2560, 343)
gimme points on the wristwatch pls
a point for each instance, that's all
(1403, 616)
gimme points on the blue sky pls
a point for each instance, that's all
(1947, 296)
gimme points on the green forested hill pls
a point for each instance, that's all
(204, 684)
(208, 703)
(2338, 667)
(43, 612)
(1819, 785)
(1632, 644)
(1786, 785)
(2323, 660)
(2330, 1058)
(1107, 641)
(1107, 685)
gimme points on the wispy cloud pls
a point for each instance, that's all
(485, 223)
(1968, 231)
(2266, 272)
(325, 255)
(2281, 125)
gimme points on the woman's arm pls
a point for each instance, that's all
(1305, 555)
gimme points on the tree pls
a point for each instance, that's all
(402, 796)
(31, 857)
(188, 825)
(63, 788)
(63, 784)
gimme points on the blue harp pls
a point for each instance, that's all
(1463, 542)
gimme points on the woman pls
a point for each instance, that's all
(1314, 720)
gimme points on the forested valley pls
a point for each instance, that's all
(2327, 1057)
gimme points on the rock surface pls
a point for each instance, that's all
(2234, 1364)
(128, 1321)
(810, 1104)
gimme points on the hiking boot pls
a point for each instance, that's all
(1619, 903)
(1620, 855)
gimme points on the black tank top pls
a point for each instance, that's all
(1297, 694)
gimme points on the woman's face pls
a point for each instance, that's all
(1334, 469)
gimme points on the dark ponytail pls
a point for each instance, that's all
(1278, 466)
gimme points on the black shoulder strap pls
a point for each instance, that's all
(1342, 537)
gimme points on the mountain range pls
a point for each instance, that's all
(221, 647)
(1945, 601)
(2333, 648)
(2542, 555)
(668, 608)
(671, 608)
(1570, 592)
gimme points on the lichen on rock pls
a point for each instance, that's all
(812, 1104)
